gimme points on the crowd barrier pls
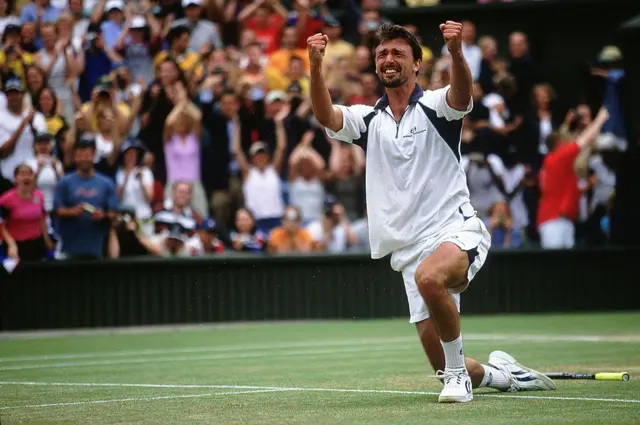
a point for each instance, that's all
(151, 291)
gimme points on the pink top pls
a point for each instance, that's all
(22, 217)
(182, 158)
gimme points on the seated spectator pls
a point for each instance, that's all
(175, 243)
(23, 219)
(262, 185)
(182, 149)
(246, 237)
(360, 229)
(332, 233)
(177, 213)
(85, 203)
(306, 189)
(130, 240)
(211, 240)
(18, 124)
(135, 185)
(290, 238)
(47, 168)
(501, 228)
(485, 180)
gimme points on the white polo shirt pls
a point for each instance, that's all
(415, 184)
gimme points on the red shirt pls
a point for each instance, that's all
(22, 217)
(313, 27)
(268, 36)
(559, 192)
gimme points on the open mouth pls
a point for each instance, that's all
(390, 72)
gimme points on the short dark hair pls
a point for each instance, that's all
(388, 32)
(229, 92)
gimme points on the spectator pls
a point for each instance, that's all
(46, 103)
(501, 228)
(211, 241)
(7, 15)
(517, 177)
(295, 75)
(485, 174)
(28, 36)
(109, 138)
(280, 60)
(111, 27)
(246, 237)
(332, 233)
(559, 187)
(177, 214)
(80, 23)
(36, 81)
(472, 53)
(265, 19)
(135, 185)
(189, 62)
(86, 203)
(13, 58)
(253, 74)
(24, 226)
(182, 149)
(306, 189)
(204, 35)
(337, 48)
(39, 11)
(489, 64)
(97, 61)
(262, 185)
(346, 177)
(47, 168)
(175, 244)
(540, 122)
(137, 50)
(59, 65)
(130, 239)
(524, 70)
(18, 126)
(290, 238)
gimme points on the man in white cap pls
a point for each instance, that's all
(204, 34)
(112, 27)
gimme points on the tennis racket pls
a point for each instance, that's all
(602, 376)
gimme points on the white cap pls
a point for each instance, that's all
(138, 22)
(274, 95)
(114, 4)
(186, 3)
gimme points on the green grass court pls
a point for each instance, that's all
(343, 372)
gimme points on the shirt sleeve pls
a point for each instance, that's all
(59, 199)
(147, 177)
(315, 231)
(496, 165)
(353, 123)
(437, 100)
(39, 123)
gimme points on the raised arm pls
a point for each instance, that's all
(238, 153)
(459, 95)
(327, 115)
(588, 136)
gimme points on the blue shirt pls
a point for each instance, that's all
(97, 65)
(82, 235)
(29, 14)
(110, 32)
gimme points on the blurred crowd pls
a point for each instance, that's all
(184, 128)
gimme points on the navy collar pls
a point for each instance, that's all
(417, 93)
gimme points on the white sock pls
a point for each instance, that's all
(453, 353)
(495, 378)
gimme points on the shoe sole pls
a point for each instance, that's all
(507, 358)
(466, 399)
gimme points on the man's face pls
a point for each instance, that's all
(192, 13)
(75, 6)
(254, 53)
(229, 106)
(84, 159)
(28, 32)
(518, 46)
(363, 58)
(261, 16)
(48, 34)
(394, 63)
(14, 100)
(289, 38)
(468, 32)
(181, 195)
(116, 15)
(295, 69)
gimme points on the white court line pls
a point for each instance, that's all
(303, 389)
(125, 400)
(390, 347)
(541, 338)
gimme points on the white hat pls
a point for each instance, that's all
(274, 95)
(114, 4)
(187, 3)
(138, 22)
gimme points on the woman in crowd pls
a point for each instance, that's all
(262, 186)
(36, 82)
(182, 148)
(246, 237)
(24, 226)
(306, 188)
(47, 168)
(500, 226)
(135, 185)
(46, 102)
(541, 122)
(109, 139)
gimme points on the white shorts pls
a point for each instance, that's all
(557, 234)
(470, 235)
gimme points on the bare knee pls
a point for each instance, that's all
(430, 283)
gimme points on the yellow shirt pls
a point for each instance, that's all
(54, 124)
(123, 107)
(339, 49)
(189, 62)
(17, 67)
(276, 80)
(280, 59)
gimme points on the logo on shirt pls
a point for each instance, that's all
(414, 130)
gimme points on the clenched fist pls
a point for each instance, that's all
(452, 33)
(316, 44)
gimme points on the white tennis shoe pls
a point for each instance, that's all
(521, 377)
(457, 386)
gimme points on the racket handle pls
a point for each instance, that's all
(612, 376)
